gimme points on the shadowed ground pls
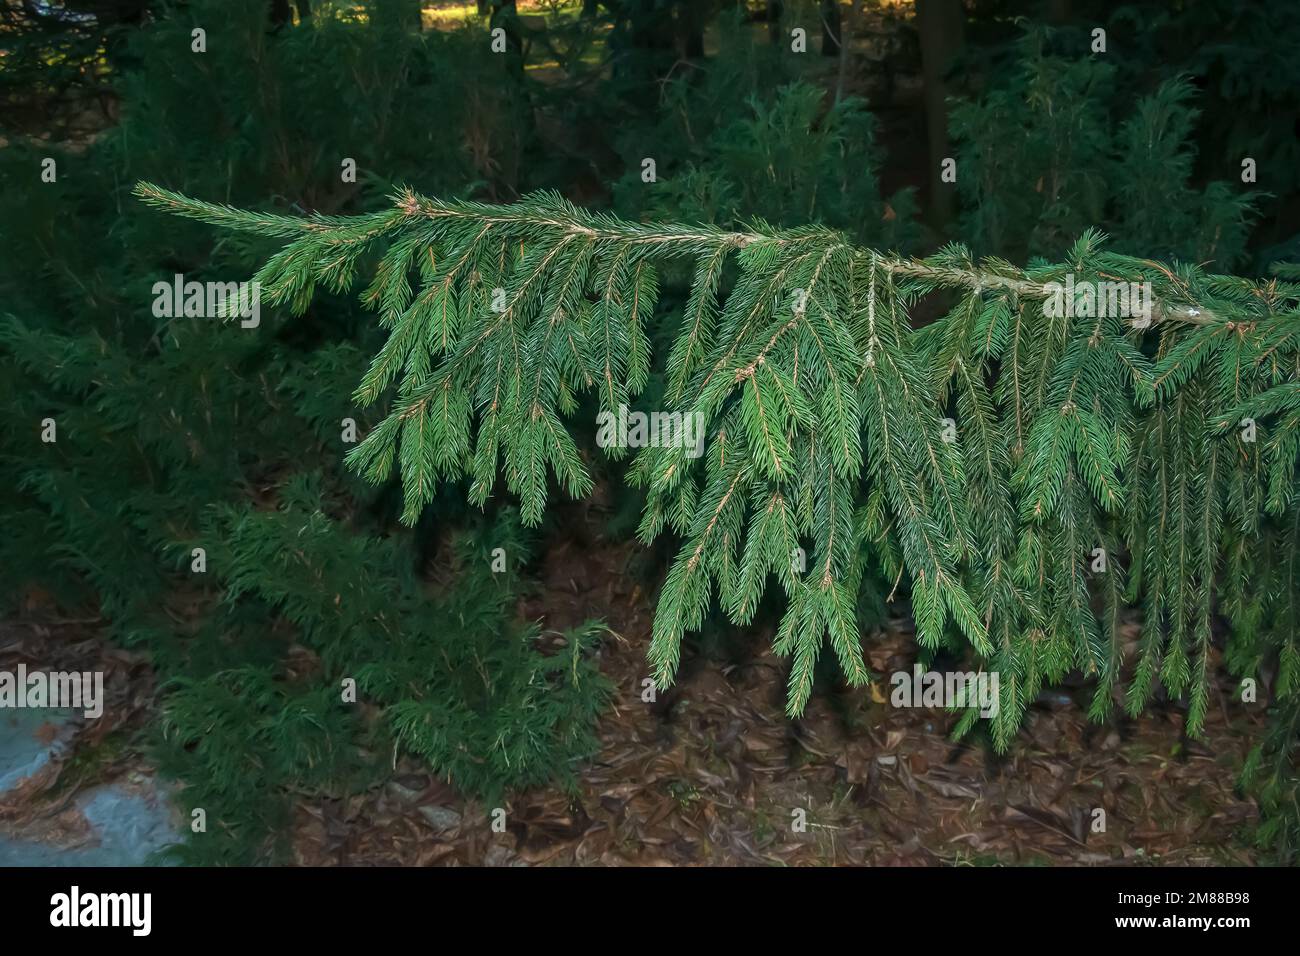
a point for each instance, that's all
(711, 772)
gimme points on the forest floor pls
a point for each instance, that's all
(712, 772)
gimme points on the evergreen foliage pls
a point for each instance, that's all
(1074, 166)
(58, 58)
(829, 401)
(455, 679)
(826, 414)
(747, 134)
(788, 159)
(1236, 55)
(488, 710)
(175, 434)
(246, 741)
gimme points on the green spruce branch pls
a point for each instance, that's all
(985, 460)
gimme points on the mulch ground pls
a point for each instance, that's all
(713, 773)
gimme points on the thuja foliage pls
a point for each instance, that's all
(984, 460)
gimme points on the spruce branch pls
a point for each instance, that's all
(985, 459)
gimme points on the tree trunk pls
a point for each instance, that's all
(693, 16)
(505, 14)
(650, 28)
(941, 24)
(774, 10)
(281, 13)
(831, 26)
